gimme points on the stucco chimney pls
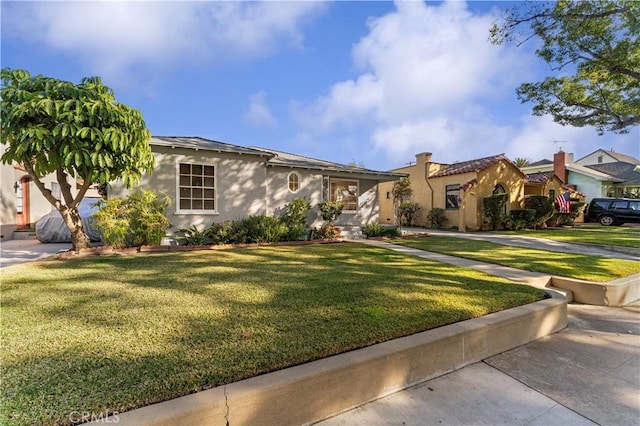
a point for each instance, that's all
(560, 160)
(423, 158)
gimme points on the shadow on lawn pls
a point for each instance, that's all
(129, 331)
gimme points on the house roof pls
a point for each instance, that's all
(592, 173)
(626, 172)
(540, 177)
(543, 162)
(286, 159)
(273, 157)
(198, 143)
(616, 155)
(471, 166)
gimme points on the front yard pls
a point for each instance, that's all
(109, 334)
(587, 234)
(570, 265)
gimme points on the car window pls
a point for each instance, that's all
(619, 205)
(634, 205)
(602, 204)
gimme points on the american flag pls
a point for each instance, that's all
(564, 206)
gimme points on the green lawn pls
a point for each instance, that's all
(579, 266)
(114, 333)
(610, 236)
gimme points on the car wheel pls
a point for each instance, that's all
(607, 220)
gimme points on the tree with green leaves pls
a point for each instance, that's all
(73, 131)
(593, 47)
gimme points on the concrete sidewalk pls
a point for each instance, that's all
(588, 373)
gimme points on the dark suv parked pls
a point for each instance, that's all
(613, 211)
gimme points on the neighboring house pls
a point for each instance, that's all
(212, 182)
(21, 202)
(599, 174)
(460, 188)
(543, 183)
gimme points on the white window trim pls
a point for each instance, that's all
(179, 211)
(357, 193)
(289, 182)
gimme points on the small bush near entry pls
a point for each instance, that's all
(520, 219)
(543, 207)
(294, 217)
(494, 209)
(568, 219)
(326, 231)
(378, 230)
(407, 212)
(436, 217)
(330, 210)
(134, 221)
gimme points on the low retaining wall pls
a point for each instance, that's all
(310, 392)
(620, 292)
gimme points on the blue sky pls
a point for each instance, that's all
(370, 82)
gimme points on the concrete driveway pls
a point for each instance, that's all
(586, 374)
(13, 252)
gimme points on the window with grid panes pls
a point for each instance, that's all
(197, 190)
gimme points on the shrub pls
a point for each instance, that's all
(326, 231)
(220, 233)
(112, 222)
(294, 216)
(137, 220)
(543, 207)
(192, 236)
(257, 229)
(378, 230)
(407, 212)
(436, 217)
(147, 220)
(494, 209)
(568, 219)
(330, 210)
(519, 219)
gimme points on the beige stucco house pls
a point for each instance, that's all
(459, 188)
(212, 182)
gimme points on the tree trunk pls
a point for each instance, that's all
(72, 219)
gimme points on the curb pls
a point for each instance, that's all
(320, 389)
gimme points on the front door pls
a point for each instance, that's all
(22, 203)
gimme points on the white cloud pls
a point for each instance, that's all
(427, 72)
(112, 38)
(258, 111)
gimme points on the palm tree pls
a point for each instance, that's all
(521, 162)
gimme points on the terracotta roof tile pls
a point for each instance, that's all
(540, 177)
(476, 165)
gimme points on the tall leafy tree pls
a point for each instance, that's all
(594, 49)
(71, 130)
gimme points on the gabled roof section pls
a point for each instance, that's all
(616, 155)
(285, 159)
(198, 143)
(626, 172)
(471, 166)
(540, 177)
(592, 173)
